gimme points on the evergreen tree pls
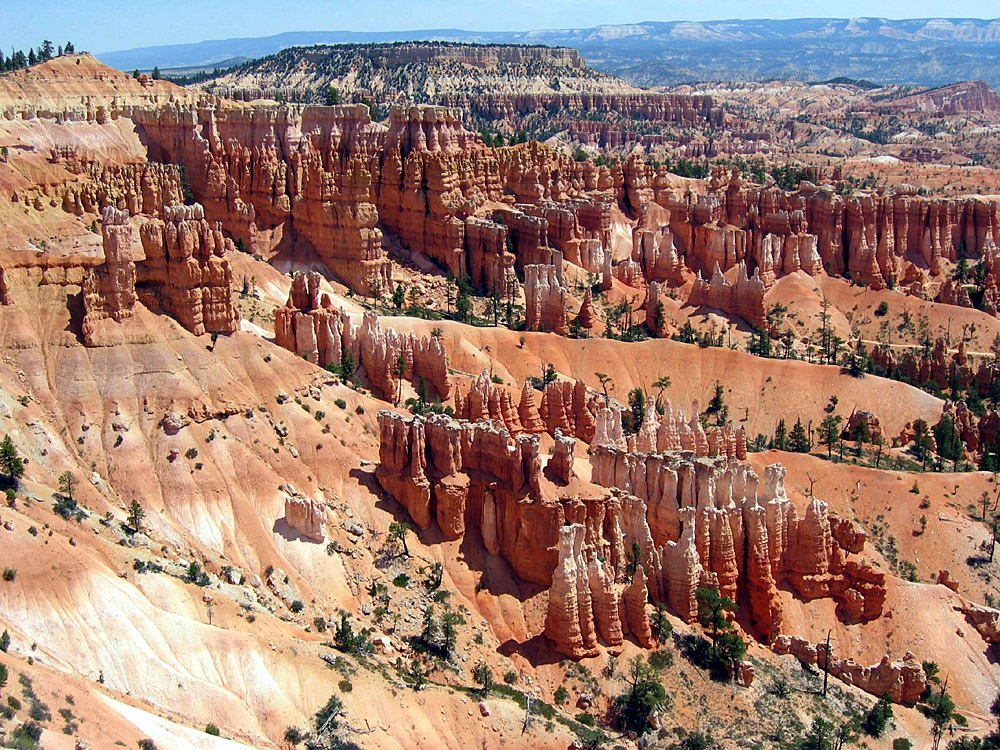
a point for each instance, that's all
(643, 697)
(135, 515)
(829, 432)
(637, 406)
(780, 441)
(948, 439)
(862, 434)
(11, 463)
(879, 717)
(32, 58)
(799, 441)
(333, 97)
(69, 49)
(156, 74)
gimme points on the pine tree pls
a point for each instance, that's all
(135, 515)
(32, 58)
(11, 463)
(799, 441)
(156, 74)
(829, 432)
(780, 436)
(69, 49)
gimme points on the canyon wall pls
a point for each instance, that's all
(309, 326)
(692, 521)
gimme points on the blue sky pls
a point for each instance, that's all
(108, 25)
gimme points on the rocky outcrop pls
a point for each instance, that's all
(487, 400)
(669, 433)
(186, 272)
(985, 620)
(744, 298)
(634, 601)
(136, 188)
(569, 624)
(904, 680)
(527, 410)
(109, 289)
(587, 317)
(464, 474)
(872, 428)
(545, 299)
(561, 462)
(307, 517)
(569, 407)
(713, 520)
(309, 326)
(813, 228)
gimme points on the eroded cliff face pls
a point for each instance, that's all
(904, 680)
(185, 273)
(651, 528)
(329, 175)
(328, 180)
(873, 238)
(309, 325)
(109, 289)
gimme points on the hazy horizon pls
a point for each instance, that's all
(112, 25)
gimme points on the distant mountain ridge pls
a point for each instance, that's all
(924, 52)
(416, 72)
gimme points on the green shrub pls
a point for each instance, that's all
(212, 730)
(341, 403)
(39, 711)
(297, 606)
(345, 686)
(30, 730)
(9, 574)
(661, 660)
(561, 695)
(586, 719)
(401, 581)
(877, 719)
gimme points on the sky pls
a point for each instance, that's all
(111, 25)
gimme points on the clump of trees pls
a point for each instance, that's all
(18, 60)
(726, 647)
(644, 695)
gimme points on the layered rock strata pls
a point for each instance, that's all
(309, 326)
(903, 680)
(186, 272)
(712, 522)
(545, 299)
(109, 289)
(695, 521)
